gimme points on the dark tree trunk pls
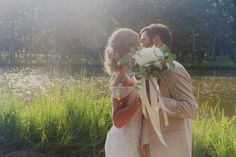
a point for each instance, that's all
(176, 52)
(10, 57)
(213, 51)
(30, 56)
(25, 57)
(193, 45)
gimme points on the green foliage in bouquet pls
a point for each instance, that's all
(153, 69)
(169, 56)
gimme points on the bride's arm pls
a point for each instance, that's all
(123, 110)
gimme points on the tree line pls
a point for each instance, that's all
(202, 30)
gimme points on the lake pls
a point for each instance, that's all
(214, 86)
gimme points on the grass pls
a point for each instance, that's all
(214, 134)
(69, 119)
(72, 116)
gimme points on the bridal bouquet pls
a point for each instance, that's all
(149, 64)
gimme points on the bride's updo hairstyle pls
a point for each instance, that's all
(119, 43)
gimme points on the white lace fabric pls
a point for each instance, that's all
(125, 141)
(120, 92)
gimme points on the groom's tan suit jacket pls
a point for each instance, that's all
(182, 106)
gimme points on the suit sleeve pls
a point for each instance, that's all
(182, 103)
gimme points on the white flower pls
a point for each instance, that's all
(147, 55)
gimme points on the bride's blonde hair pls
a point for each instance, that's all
(119, 43)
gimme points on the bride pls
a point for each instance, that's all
(123, 139)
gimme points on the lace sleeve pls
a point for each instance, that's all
(120, 92)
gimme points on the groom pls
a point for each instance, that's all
(179, 101)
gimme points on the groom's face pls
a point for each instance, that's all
(145, 40)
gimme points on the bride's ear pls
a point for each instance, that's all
(157, 41)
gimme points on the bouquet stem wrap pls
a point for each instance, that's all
(152, 110)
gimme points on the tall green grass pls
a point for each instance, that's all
(67, 119)
(73, 118)
(214, 133)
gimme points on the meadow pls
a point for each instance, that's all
(70, 116)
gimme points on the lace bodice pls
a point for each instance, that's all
(125, 141)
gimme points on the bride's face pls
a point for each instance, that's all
(145, 40)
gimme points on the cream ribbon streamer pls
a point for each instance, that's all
(152, 110)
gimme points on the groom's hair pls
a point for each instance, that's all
(159, 29)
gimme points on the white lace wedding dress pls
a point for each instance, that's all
(125, 141)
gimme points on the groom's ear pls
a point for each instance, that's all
(157, 41)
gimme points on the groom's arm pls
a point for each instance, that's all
(182, 104)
